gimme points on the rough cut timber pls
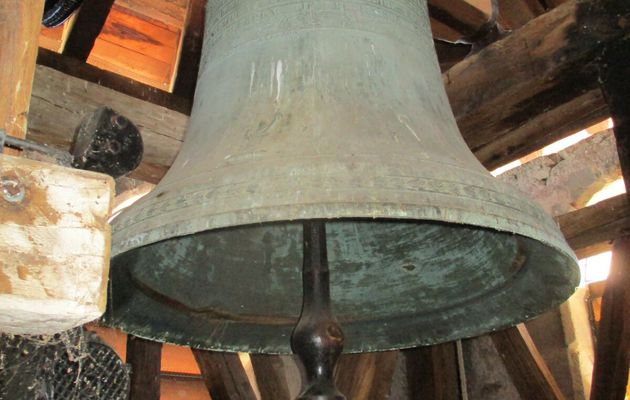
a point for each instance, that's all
(516, 96)
(595, 225)
(144, 358)
(54, 246)
(526, 367)
(612, 357)
(61, 101)
(433, 372)
(19, 30)
(366, 376)
(537, 85)
(224, 375)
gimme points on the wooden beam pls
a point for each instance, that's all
(270, 377)
(89, 73)
(61, 102)
(48, 282)
(516, 13)
(191, 47)
(87, 26)
(526, 367)
(432, 372)
(145, 359)
(366, 376)
(458, 15)
(20, 22)
(224, 375)
(538, 84)
(612, 354)
(600, 223)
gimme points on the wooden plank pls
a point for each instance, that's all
(125, 86)
(144, 357)
(190, 56)
(137, 33)
(526, 367)
(62, 101)
(612, 354)
(87, 26)
(137, 66)
(54, 246)
(169, 12)
(599, 223)
(366, 376)
(432, 372)
(270, 377)
(19, 29)
(536, 85)
(224, 375)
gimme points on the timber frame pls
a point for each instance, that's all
(557, 72)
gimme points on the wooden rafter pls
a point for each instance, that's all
(87, 26)
(144, 356)
(366, 376)
(516, 13)
(224, 375)
(433, 372)
(612, 355)
(270, 377)
(537, 85)
(526, 367)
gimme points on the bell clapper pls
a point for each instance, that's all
(317, 338)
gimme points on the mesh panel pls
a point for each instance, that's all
(74, 365)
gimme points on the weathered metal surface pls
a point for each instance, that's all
(329, 110)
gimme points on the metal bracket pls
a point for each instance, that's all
(63, 157)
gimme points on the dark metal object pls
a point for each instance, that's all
(62, 157)
(107, 142)
(56, 12)
(317, 338)
(71, 366)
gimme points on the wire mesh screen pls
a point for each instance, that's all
(74, 365)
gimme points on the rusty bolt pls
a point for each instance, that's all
(12, 190)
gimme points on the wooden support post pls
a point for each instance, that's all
(366, 376)
(145, 359)
(190, 54)
(270, 377)
(224, 375)
(88, 25)
(432, 372)
(612, 354)
(526, 367)
(20, 22)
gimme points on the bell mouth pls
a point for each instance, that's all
(394, 284)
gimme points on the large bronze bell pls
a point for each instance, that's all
(332, 112)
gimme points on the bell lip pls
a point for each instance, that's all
(564, 267)
(547, 231)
